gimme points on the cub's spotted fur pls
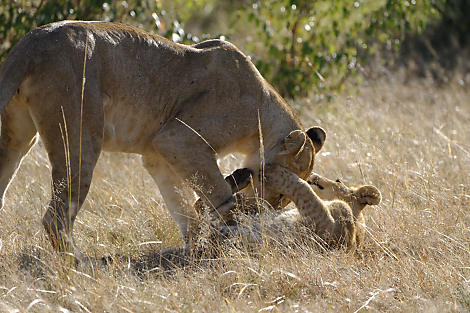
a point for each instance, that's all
(334, 214)
(356, 198)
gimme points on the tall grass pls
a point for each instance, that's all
(410, 140)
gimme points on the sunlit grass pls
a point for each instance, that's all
(411, 141)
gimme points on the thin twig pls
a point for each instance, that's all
(450, 141)
(200, 136)
(372, 297)
(81, 119)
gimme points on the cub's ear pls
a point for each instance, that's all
(318, 136)
(368, 195)
(239, 179)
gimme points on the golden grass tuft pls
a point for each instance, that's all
(410, 140)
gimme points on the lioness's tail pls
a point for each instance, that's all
(14, 70)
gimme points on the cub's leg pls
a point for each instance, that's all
(309, 205)
(17, 137)
(194, 160)
(179, 198)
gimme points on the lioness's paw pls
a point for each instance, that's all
(225, 210)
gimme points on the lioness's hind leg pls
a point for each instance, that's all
(17, 137)
(70, 186)
(73, 141)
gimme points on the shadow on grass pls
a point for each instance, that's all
(165, 262)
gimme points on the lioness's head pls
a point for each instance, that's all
(298, 149)
(297, 153)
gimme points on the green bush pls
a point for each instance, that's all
(317, 44)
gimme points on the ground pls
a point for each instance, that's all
(411, 140)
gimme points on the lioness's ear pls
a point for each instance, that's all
(318, 136)
(239, 179)
(368, 195)
(294, 142)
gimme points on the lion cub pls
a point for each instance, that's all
(356, 199)
(330, 209)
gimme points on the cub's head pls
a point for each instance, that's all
(356, 197)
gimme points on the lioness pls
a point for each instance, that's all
(92, 86)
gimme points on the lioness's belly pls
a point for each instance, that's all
(128, 128)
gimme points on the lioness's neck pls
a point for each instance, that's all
(277, 120)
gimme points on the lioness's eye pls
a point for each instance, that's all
(318, 185)
(339, 181)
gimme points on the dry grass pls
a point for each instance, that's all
(411, 141)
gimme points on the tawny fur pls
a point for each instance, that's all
(180, 107)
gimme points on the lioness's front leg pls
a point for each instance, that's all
(194, 160)
(178, 197)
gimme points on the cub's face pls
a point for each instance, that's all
(357, 198)
(328, 189)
